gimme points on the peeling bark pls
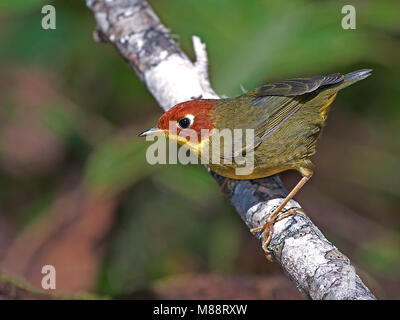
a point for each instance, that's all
(316, 266)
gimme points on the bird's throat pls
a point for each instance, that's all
(195, 146)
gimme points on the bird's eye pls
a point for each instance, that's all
(184, 123)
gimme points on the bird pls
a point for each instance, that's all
(286, 118)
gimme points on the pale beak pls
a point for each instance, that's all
(154, 130)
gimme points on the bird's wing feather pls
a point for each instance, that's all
(275, 111)
(280, 100)
(274, 105)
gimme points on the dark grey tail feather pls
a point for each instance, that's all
(358, 75)
(353, 77)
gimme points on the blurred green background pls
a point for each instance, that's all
(76, 191)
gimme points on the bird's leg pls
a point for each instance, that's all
(268, 227)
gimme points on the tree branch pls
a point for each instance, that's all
(317, 267)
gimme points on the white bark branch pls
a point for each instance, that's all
(316, 266)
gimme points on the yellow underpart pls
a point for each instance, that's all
(194, 146)
(324, 108)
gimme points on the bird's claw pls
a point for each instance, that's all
(268, 228)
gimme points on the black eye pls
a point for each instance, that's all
(184, 123)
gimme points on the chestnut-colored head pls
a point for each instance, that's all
(194, 114)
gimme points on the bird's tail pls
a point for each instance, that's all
(329, 94)
(353, 77)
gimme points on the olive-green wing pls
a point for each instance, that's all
(305, 100)
(280, 100)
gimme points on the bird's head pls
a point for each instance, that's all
(189, 123)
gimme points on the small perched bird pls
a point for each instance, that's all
(286, 116)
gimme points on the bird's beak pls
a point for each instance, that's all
(152, 131)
